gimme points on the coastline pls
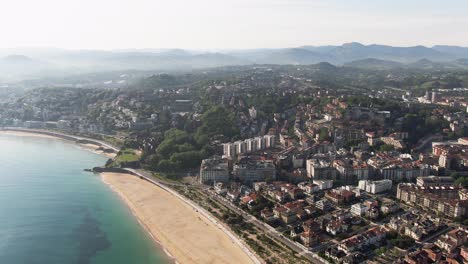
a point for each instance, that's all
(126, 202)
(219, 246)
(89, 144)
(185, 233)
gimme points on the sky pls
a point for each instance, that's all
(230, 24)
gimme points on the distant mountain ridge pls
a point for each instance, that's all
(35, 63)
(422, 64)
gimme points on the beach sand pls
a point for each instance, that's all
(23, 134)
(90, 147)
(186, 234)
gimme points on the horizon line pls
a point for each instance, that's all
(221, 49)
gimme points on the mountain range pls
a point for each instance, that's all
(17, 64)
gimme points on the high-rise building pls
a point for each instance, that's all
(249, 145)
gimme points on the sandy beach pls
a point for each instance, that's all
(90, 147)
(186, 234)
(23, 134)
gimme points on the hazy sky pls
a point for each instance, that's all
(223, 24)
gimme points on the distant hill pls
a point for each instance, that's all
(16, 59)
(356, 51)
(426, 64)
(20, 66)
(292, 56)
(50, 62)
(422, 64)
(320, 49)
(375, 64)
(462, 62)
(459, 52)
(349, 52)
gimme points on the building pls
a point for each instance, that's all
(323, 184)
(335, 227)
(372, 236)
(182, 106)
(214, 170)
(435, 97)
(389, 208)
(320, 169)
(309, 239)
(229, 150)
(270, 141)
(359, 209)
(220, 188)
(375, 186)
(452, 155)
(349, 171)
(447, 200)
(463, 141)
(250, 171)
(340, 196)
(323, 205)
(397, 167)
(268, 215)
(453, 239)
(430, 181)
(249, 145)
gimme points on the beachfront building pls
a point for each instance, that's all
(214, 170)
(249, 170)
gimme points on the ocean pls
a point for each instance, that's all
(52, 211)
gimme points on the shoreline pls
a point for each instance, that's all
(184, 232)
(92, 148)
(88, 144)
(171, 252)
(126, 202)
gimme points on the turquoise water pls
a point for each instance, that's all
(51, 211)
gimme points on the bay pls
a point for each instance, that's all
(52, 211)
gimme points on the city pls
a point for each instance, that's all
(303, 163)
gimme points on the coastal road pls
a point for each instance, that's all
(267, 229)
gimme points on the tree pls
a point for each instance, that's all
(455, 175)
(323, 134)
(463, 181)
(386, 147)
(216, 121)
(168, 166)
(380, 250)
(189, 159)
